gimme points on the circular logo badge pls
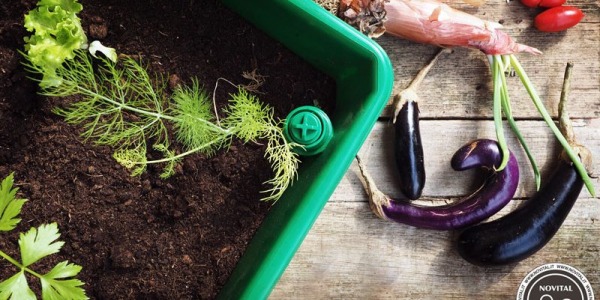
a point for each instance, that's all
(555, 282)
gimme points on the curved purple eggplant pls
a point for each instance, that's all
(496, 191)
(408, 151)
(526, 230)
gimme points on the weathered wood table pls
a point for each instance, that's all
(351, 254)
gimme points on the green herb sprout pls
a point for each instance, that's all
(35, 244)
(122, 106)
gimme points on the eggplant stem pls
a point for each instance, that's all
(377, 198)
(564, 121)
(566, 126)
(410, 93)
(548, 119)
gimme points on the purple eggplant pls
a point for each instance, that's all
(521, 233)
(408, 151)
(497, 190)
(526, 230)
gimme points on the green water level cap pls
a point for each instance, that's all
(310, 127)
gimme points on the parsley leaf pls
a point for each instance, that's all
(16, 288)
(35, 244)
(58, 284)
(10, 207)
(55, 289)
(39, 243)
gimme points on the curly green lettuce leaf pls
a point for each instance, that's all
(69, 5)
(57, 33)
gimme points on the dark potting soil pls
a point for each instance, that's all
(144, 237)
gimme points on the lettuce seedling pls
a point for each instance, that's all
(57, 33)
(34, 245)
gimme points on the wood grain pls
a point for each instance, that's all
(442, 138)
(351, 254)
(459, 85)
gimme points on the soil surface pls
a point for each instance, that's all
(144, 237)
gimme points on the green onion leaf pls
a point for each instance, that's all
(513, 125)
(496, 77)
(548, 119)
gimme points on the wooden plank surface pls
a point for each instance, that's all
(442, 138)
(458, 86)
(351, 254)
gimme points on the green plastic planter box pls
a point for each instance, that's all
(364, 77)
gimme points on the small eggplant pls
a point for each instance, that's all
(523, 232)
(496, 191)
(526, 230)
(408, 151)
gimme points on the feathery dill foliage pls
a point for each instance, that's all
(195, 122)
(122, 106)
(250, 121)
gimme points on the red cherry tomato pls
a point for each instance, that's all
(551, 3)
(558, 18)
(531, 3)
(543, 3)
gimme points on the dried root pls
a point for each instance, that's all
(366, 15)
(330, 5)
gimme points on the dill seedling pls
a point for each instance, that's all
(122, 106)
(248, 120)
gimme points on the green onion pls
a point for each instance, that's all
(499, 64)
